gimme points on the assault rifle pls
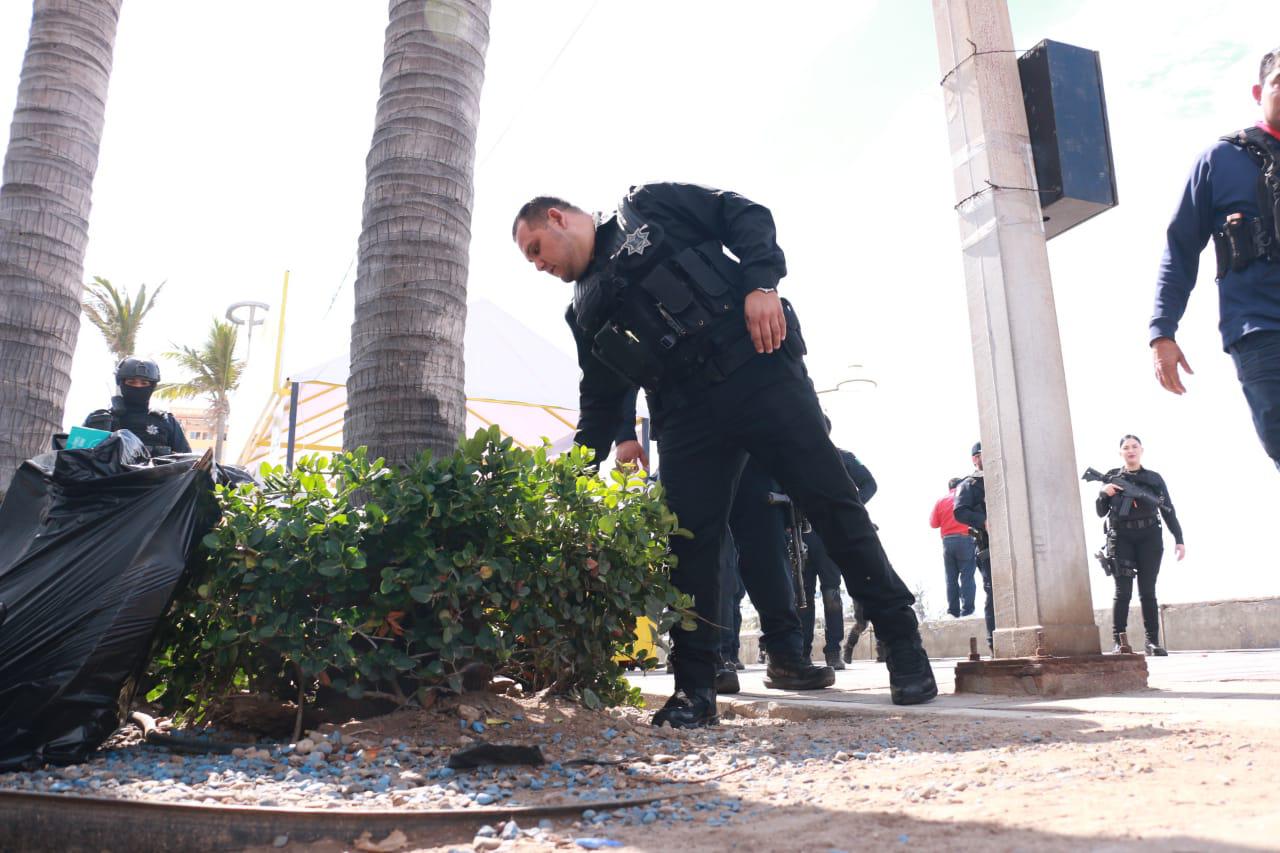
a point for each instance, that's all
(797, 550)
(1132, 489)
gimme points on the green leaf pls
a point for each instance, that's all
(420, 594)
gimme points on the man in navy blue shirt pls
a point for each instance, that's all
(1226, 198)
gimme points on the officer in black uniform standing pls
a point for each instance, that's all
(971, 508)
(657, 303)
(1139, 545)
(136, 379)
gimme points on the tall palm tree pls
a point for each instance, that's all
(44, 215)
(405, 392)
(116, 315)
(215, 373)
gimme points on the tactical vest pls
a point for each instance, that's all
(660, 314)
(153, 428)
(1243, 240)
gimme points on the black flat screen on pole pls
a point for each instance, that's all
(1070, 139)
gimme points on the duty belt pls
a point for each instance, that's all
(1136, 524)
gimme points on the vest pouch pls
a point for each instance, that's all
(715, 277)
(627, 355)
(683, 314)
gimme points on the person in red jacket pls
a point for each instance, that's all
(957, 553)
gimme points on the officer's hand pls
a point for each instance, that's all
(631, 453)
(1168, 356)
(765, 320)
(1180, 550)
(1110, 489)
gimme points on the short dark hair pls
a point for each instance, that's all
(534, 211)
(953, 482)
(1125, 438)
(1269, 62)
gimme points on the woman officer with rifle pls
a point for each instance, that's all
(1134, 519)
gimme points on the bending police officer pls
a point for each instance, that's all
(1135, 523)
(657, 303)
(136, 380)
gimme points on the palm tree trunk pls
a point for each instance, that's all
(44, 216)
(405, 393)
(222, 412)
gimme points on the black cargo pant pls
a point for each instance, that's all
(767, 408)
(1139, 550)
(821, 589)
(758, 533)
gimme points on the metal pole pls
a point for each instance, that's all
(293, 425)
(1039, 565)
(644, 436)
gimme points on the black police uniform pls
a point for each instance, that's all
(1139, 549)
(158, 430)
(971, 508)
(821, 573)
(661, 306)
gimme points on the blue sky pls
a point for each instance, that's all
(235, 145)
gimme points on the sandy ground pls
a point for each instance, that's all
(1180, 768)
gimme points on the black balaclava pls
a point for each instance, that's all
(138, 399)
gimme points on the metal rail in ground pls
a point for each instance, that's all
(36, 821)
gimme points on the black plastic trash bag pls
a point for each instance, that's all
(93, 543)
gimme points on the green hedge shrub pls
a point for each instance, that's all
(347, 574)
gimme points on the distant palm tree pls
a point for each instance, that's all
(405, 393)
(215, 373)
(115, 315)
(44, 216)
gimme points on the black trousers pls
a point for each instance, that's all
(1142, 548)
(759, 534)
(1257, 360)
(820, 571)
(731, 594)
(766, 408)
(983, 558)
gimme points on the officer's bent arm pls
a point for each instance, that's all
(745, 227)
(1188, 233)
(1167, 510)
(601, 394)
(1103, 504)
(968, 510)
(627, 418)
(860, 474)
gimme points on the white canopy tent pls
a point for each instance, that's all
(515, 379)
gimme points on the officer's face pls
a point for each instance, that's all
(1131, 453)
(553, 247)
(977, 461)
(137, 382)
(1268, 97)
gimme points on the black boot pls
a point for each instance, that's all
(910, 676)
(851, 643)
(797, 674)
(1154, 648)
(881, 651)
(727, 679)
(691, 710)
(1117, 648)
(833, 660)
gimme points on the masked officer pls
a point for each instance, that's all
(1233, 196)
(136, 379)
(821, 572)
(657, 303)
(971, 509)
(1139, 546)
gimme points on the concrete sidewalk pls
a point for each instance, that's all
(1239, 686)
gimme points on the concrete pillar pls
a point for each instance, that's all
(1039, 563)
